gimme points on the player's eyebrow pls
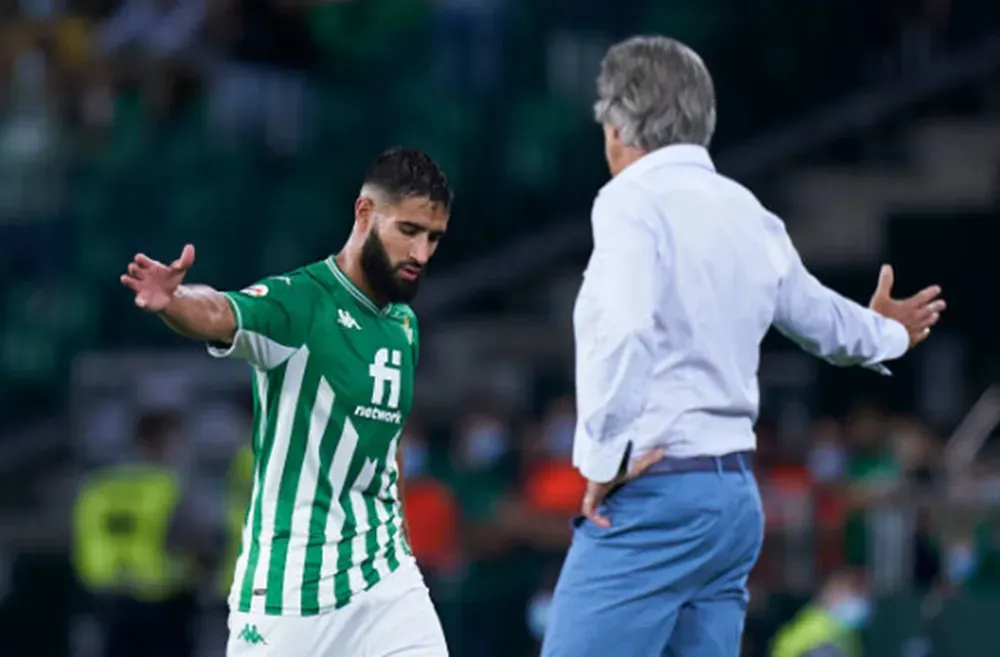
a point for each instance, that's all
(417, 226)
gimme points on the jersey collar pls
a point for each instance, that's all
(353, 289)
(674, 155)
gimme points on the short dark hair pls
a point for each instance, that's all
(409, 173)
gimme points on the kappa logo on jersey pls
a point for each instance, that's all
(255, 291)
(347, 320)
(386, 374)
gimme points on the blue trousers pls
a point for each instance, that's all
(668, 578)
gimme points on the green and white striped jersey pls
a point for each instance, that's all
(333, 379)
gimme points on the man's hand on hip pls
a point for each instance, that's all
(596, 492)
(917, 314)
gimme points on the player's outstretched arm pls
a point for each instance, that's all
(201, 313)
(194, 311)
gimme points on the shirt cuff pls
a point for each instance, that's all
(895, 343)
(599, 462)
(227, 350)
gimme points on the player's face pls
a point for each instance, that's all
(399, 244)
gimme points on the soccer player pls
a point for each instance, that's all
(325, 569)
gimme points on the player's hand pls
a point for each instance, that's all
(596, 492)
(918, 313)
(153, 282)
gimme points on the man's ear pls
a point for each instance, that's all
(364, 211)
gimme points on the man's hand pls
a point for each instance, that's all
(917, 314)
(596, 493)
(153, 282)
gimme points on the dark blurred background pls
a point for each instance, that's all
(243, 126)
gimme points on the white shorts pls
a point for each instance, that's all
(395, 617)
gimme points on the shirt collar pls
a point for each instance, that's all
(674, 155)
(341, 277)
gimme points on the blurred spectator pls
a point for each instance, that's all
(432, 515)
(32, 154)
(961, 561)
(872, 473)
(551, 484)
(828, 457)
(143, 541)
(155, 46)
(552, 493)
(239, 487)
(156, 29)
(480, 478)
(263, 87)
(827, 464)
(915, 450)
(913, 446)
(828, 627)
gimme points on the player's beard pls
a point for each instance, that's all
(382, 275)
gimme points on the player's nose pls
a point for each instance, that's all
(420, 251)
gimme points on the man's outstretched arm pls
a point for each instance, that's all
(842, 331)
(201, 313)
(263, 324)
(194, 311)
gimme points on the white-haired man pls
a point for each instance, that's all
(688, 273)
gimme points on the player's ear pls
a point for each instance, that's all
(364, 209)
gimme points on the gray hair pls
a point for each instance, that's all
(656, 92)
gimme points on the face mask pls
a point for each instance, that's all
(827, 463)
(486, 446)
(852, 613)
(559, 437)
(414, 460)
(538, 614)
(961, 564)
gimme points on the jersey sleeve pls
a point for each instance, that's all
(273, 320)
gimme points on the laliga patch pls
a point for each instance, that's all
(255, 291)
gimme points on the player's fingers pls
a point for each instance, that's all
(144, 261)
(184, 262)
(135, 271)
(130, 282)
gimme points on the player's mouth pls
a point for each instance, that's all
(409, 273)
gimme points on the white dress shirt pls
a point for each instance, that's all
(687, 274)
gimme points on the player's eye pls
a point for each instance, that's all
(409, 229)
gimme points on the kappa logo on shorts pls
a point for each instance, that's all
(249, 634)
